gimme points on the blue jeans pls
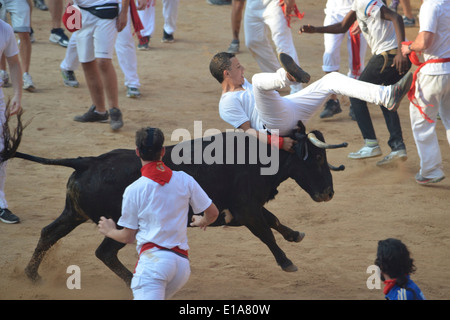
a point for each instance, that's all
(374, 73)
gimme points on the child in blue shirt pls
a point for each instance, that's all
(394, 261)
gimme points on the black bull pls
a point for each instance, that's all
(239, 191)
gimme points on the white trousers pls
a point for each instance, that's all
(283, 112)
(332, 51)
(125, 50)
(169, 12)
(265, 22)
(159, 275)
(432, 93)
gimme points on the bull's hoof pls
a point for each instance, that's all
(290, 268)
(33, 276)
(296, 236)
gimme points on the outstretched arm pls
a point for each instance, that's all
(340, 27)
(284, 143)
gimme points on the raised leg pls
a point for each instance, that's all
(107, 252)
(286, 232)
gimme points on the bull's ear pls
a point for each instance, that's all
(300, 128)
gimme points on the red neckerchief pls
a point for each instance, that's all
(388, 285)
(412, 91)
(157, 171)
(288, 17)
(137, 23)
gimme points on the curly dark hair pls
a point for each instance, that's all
(219, 63)
(393, 259)
(149, 142)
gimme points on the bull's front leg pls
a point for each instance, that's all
(260, 228)
(107, 253)
(286, 232)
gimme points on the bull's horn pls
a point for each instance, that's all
(320, 144)
(333, 168)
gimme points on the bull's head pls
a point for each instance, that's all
(310, 168)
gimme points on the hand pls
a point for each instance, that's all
(307, 29)
(355, 29)
(141, 4)
(122, 19)
(14, 106)
(288, 144)
(401, 63)
(405, 50)
(106, 225)
(290, 5)
(199, 221)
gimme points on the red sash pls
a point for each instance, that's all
(412, 91)
(137, 23)
(150, 245)
(288, 17)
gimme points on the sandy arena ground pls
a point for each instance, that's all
(370, 203)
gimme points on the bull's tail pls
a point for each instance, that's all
(76, 163)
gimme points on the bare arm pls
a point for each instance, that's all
(16, 80)
(108, 228)
(340, 27)
(423, 41)
(209, 216)
(288, 143)
(400, 62)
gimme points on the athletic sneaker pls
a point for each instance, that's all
(393, 157)
(292, 68)
(168, 38)
(69, 78)
(40, 4)
(332, 107)
(116, 121)
(422, 180)
(133, 92)
(407, 22)
(28, 82)
(399, 90)
(219, 2)
(92, 116)
(365, 152)
(234, 47)
(143, 43)
(8, 217)
(5, 78)
(58, 36)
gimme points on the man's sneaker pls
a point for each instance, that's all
(332, 107)
(8, 217)
(58, 36)
(116, 121)
(4, 76)
(69, 78)
(393, 157)
(398, 91)
(219, 2)
(408, 22)
(92, 116)
(422, 180)
(40, 4)
(143, 43)
(168, 38)
(365, 152)
(133, 92)
(293, 69)
(28, 82)
(234, 47)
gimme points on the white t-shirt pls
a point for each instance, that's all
(379, 33)
(160, 213)
(238, 107)
(435, 17)
(8, 45)
(338, 7)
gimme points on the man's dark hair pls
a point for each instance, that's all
(149, 142)
(393, 258)
(219, 63)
